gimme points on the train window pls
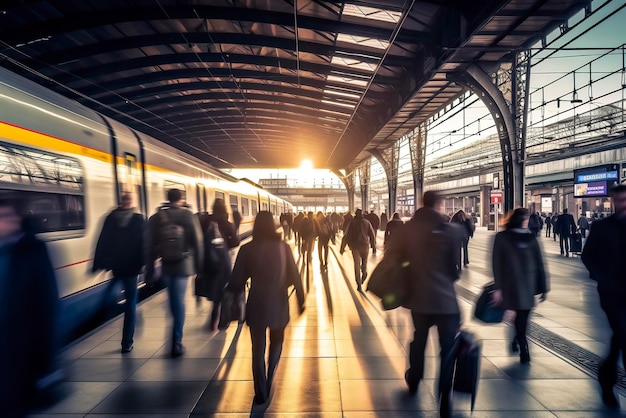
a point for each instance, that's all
(245, 207)
(274, 210)
(201, 197)
(219, 195)
(264, 206)
(255, 207)
(49, 187)
(169, 185)
(234, 203)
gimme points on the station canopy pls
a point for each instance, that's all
(267, 83)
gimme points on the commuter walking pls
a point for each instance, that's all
(120, 249)
(583, 225)
(174, 235)
(217, 264)
(347, 218)
(548, 223)
(603, 256)
(359, 236)
(519, 274)
(309, 229)
(270, 266)
(534, 224)
(297, 223)
(431, 246)
(566, 227)
(555, 225)
(383, 221)
(28, 315)
(325, 235)
(374, 220)
(467, 232)
(392, 227)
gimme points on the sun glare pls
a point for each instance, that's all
(306, 165)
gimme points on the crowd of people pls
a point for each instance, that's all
(434, 247)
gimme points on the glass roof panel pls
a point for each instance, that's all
(341, 93)
(362, 40)
(352, 63)
(347, 80)
(346, 105)
(371, 13)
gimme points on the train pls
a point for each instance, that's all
(68, 166)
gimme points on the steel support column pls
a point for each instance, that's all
(364, 181)
(389, 159)
(504, 90)
(417, 150)
(348, 182)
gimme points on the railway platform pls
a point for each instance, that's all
(346, 357)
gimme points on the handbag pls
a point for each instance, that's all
(484, 310)
(390, 283)
(233, 308)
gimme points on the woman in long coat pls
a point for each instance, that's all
(270, 265)
(519, 274)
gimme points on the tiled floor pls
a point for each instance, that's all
(343, 357)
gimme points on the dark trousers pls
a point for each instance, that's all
(583, 232)
(548, 227)
(521, 325)
(465, 254)
(447, 328)
(564, 239)
(608, 369)
(263, 377)
(322, 251)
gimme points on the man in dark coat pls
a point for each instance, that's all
(555, 225)
(347, 218)
(359, 236)
(175, 273)
(548, 223)
(297, 223)
(431, 246)
(566, 228)
(392, 227)
(28, 315)
(603, 256)
(583, 224)
(120, 248)
(383, 221)
(374, 220)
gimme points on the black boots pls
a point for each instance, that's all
(524, 354)
(607, 377)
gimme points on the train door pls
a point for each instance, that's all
(130, 174)
(201, 198)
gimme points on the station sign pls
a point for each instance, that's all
(496, 196)
(595, 181)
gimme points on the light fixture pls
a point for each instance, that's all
(575, 98)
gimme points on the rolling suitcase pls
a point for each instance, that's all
(467, 364)
(576, 243)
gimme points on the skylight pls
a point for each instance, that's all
(362, 40)
(347, 80)
(371, 13)
(352, 63)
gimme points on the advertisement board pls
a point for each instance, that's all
(595, 181)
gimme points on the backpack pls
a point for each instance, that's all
(357, 236)
(171, 239)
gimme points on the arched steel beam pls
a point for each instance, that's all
(365, 54)
(480, 83)
(348, 181)
(78, 19)
(114, 67)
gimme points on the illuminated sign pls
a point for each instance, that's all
(585, 178)
(595, 181)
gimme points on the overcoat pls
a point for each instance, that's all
(518, 269)
(270, 276)
(432, 248)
